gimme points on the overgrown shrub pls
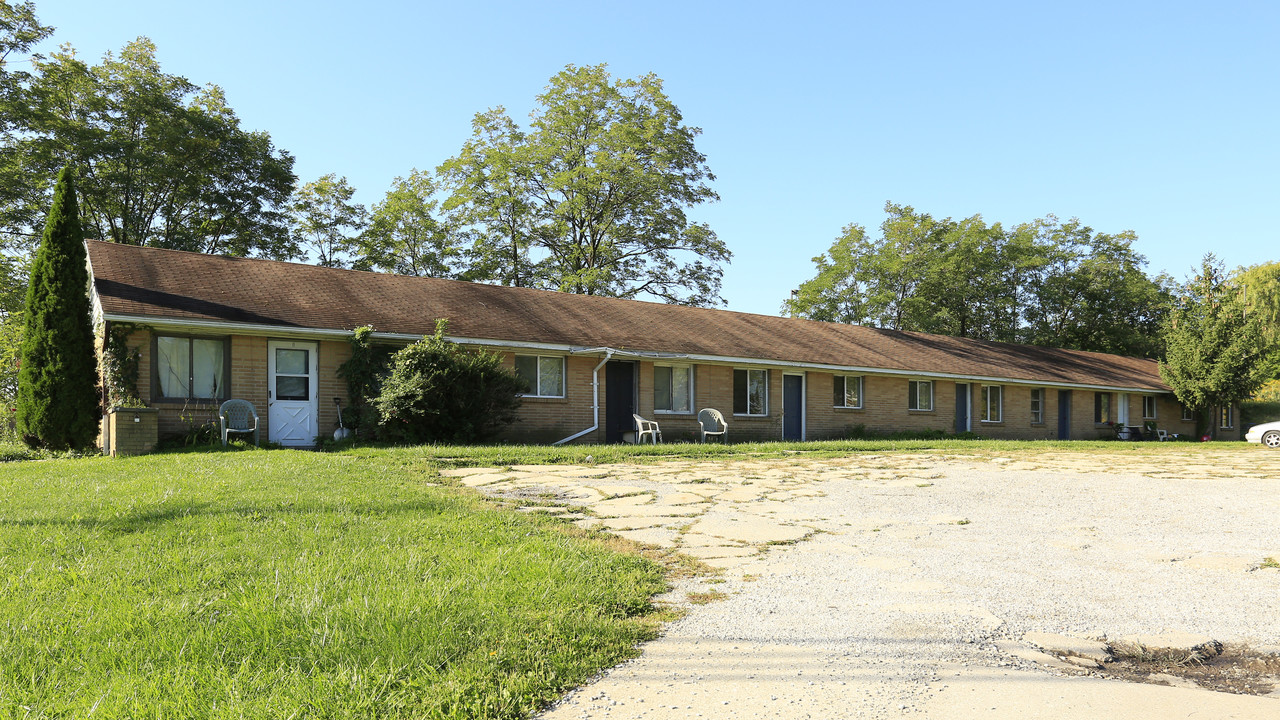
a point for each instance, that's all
(438, 392)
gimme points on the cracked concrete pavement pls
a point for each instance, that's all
(912, 584)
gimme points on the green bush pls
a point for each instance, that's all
(1253, 412)
(438, 392)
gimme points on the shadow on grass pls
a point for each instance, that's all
(142, 521)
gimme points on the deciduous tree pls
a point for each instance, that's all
(941, 276)
(163, 163)
(1045, 282)
(1261, 285)
(1215, 352)
(325, 221)
(599, 186)
(490, 183)
(57, 387)
(409, 235)
(1087, 290)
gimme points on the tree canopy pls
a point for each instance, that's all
(1215, 350)
(163, 163)
(325, 223)
(1043, 282)
(592, 199)
(408, 236)
(1087, 290)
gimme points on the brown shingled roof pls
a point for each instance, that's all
(150, 282)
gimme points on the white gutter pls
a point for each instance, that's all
(595, 399)
(286, 331)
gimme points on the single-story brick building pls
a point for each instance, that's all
(211, 328)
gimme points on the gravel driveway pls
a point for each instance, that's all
(905, 584)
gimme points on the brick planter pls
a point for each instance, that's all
(130, 431)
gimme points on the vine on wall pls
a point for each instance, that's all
(120, 364)
(364, 372)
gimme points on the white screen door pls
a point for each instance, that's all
(292, 408)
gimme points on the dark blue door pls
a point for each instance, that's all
(792, 407)
(962, 407)
(619, 399)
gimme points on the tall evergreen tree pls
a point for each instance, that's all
(57, 386)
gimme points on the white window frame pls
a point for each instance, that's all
(1151, 400)
(688, 369)
(536, 392)
(765, 379)
(843, 380)
(1226, 417)
(992, 395)
(1037, 406)
(1188, 415)
(913, 395)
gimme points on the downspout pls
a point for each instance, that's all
(595, 401)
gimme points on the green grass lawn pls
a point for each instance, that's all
(283, 584)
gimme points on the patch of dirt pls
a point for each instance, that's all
(1237, 669)
(535, 493)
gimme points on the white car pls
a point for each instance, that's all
(1267, 433)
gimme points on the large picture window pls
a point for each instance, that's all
(920, 395)
(1037, 406)
(750, 392)
(992, 396)
(673, 388)
(543, 375)
(191, 368)
(848, 391)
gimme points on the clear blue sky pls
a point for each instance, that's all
(1156, 117)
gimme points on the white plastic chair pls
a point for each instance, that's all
(238, 416)
(711, 422)
(647, 427)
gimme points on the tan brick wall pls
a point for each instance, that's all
(330, 385)
(1082, 425)
(1016, 421)
(545, 420)
(884, 407)
(715, 390)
